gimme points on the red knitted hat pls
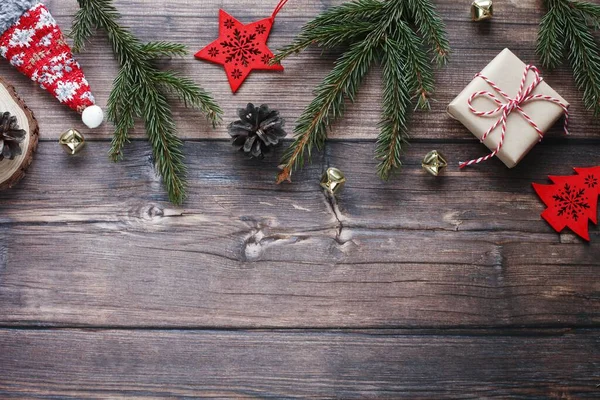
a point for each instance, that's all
(33, 43)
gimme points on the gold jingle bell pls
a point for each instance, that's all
(482, 10)
(72, 141)
(333, 181)
(434, 163)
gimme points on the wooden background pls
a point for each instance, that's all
(416, 288)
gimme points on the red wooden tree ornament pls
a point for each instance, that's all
(572, 201)
(242, 48)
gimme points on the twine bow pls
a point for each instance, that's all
(524, 96)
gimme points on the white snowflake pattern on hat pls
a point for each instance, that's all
(59, 58)
(17, 59)
(66, 90)
(21, 38)
(3, 50)
(88, 95)
(45, 19)
(46, 41)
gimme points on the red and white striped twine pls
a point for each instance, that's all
(524, 96)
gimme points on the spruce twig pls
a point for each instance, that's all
(371, 31)
(140, 90)
(566, 32)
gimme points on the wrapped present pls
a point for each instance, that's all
(509, 108)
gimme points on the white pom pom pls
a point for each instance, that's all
(92, 117)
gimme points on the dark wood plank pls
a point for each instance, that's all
(291, 91)
(71, 364)
(104, 247)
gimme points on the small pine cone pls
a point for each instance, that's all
(258, 130)
(11, 137)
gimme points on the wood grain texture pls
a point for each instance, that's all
(415, 252)
(183, 364)
(417, 288)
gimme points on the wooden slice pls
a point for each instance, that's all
(12, 171)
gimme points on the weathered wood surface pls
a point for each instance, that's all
(77, 364)
(246, 253)
(416, 288)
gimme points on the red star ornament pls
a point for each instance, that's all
(240, 48)
(570, 204)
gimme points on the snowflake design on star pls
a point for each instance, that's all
(229, 24)
(266, 59)
(591, 181)
(21, 38)
(260, 29)
(213, 52)
(45, 19)
(66, 90)
(571, 202)
(241, 48)
(236, 74)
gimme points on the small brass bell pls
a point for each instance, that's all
(482, 10)
(333, 181)
(434, 163)
(72, 141)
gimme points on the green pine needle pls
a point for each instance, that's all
(566, 32)
(396, 106)
(372, 31)
(140, 90)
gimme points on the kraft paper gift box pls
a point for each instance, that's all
(506, 71)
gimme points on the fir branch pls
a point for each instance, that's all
(567, 28)
(590, 11)
(585, 61)
(418, 71)
(166, 146)
(396, 106)
(153, 50)
(327, 36)
(140, 90)
(191, 94)
(123, 111)
(551, 41)
(431, 27)
(373, 31)
(348, 13)
(341, 83)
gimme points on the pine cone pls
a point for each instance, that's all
(10, 137)
(258, 130)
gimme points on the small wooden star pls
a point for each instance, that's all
(240, 48)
